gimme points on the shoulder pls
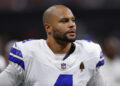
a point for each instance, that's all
(89, 46)
(26, 48)
(21, 51)
(92, 51)
(30, 46)
(28, 43)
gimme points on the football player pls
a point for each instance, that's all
(61, 60)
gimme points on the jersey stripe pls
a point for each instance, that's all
(27, 40)
(15, 44)
(16, 52)
(16, 56)
(101, 55)
(100, 63)
(16, 60)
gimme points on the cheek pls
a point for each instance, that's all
(58, 32)
(62, 27)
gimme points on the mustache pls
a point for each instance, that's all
(71, 30)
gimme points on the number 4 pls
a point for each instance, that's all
(64, 80)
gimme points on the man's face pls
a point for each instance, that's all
(63, 26)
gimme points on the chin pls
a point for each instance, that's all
(71, 39)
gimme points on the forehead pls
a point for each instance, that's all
(63, 13)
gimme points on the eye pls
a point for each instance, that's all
(73, 19)
(65, 20)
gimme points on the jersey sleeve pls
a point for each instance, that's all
(100, 59)
(96, 56)
(14, 73)
(97, 78)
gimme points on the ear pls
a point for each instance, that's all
(47, 27)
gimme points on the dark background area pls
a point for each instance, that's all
(22, 19)
(99, 22)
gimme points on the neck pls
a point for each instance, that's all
(59, 47)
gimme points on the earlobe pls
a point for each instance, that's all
(47, 28)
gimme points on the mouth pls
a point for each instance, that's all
(72, 32)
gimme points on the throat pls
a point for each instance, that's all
(64, 56)
(59, 48)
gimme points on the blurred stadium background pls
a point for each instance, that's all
(22, 19)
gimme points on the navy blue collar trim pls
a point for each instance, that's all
(70, 52)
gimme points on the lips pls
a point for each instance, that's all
(72, 31)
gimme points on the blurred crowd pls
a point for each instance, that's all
(21, 5)
(111, 69)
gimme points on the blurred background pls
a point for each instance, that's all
(22, 19)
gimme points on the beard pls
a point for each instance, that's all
(60, 36)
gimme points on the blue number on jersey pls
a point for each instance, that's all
(20, 85)
(64, 80)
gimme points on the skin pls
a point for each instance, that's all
(59, 23)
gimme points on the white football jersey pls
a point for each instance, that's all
(33, 63)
